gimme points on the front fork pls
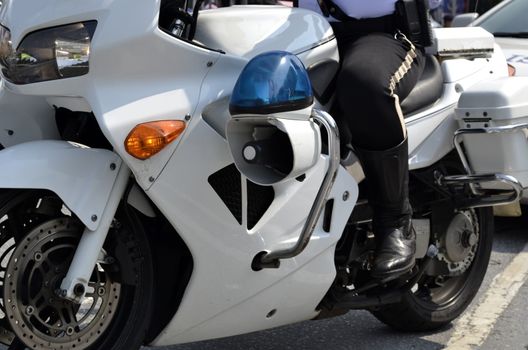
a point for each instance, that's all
(74, 285)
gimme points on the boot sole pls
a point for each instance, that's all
(393, 274)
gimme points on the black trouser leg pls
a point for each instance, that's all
(364, 94)
(368, 95)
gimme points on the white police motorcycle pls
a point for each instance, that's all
(172, 181)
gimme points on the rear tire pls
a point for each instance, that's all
(422, 311)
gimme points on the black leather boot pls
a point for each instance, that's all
(387, 174)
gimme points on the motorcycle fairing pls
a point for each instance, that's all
(223, 284)
(138, 73)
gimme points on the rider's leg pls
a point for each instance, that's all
(387, 174)
(369, 89)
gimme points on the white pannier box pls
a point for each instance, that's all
(494, 115)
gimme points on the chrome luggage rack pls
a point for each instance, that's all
(481, 197)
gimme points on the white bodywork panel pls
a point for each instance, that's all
(81, 177)
(25, 118)
(223, 249)
(259, 29)
(504, 101)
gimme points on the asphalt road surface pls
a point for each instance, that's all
(495, 320)
(506, 327)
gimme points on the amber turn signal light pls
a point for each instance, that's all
(147, 139)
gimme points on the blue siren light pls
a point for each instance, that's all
(272, 82)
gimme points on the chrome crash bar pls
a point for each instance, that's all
(482, 199)
(271, 259)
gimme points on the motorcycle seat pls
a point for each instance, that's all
(428, 89)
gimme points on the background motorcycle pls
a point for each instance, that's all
(167, 219)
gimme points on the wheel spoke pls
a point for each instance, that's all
(62, 322)
(6, 252)
(72, 312)
(35, 301)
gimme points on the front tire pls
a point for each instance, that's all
(116, 313)
(431, 305)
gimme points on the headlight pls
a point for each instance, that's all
(48, 54)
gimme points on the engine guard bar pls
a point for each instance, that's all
(271, 259)
(481, 198)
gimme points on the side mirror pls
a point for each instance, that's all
(270, 134)
(464, 20)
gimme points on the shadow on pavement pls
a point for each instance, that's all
(356, 330)
(511, 234)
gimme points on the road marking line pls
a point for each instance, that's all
(474, 327)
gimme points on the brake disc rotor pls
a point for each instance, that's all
(40, 318)
(460, 242)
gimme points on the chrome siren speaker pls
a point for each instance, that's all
(270, 134)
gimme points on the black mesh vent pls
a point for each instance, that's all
(327, 218)
(227, 184)
(259, 200)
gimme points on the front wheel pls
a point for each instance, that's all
(436, 300)
(114, 315)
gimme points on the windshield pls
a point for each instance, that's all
(511, 18)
